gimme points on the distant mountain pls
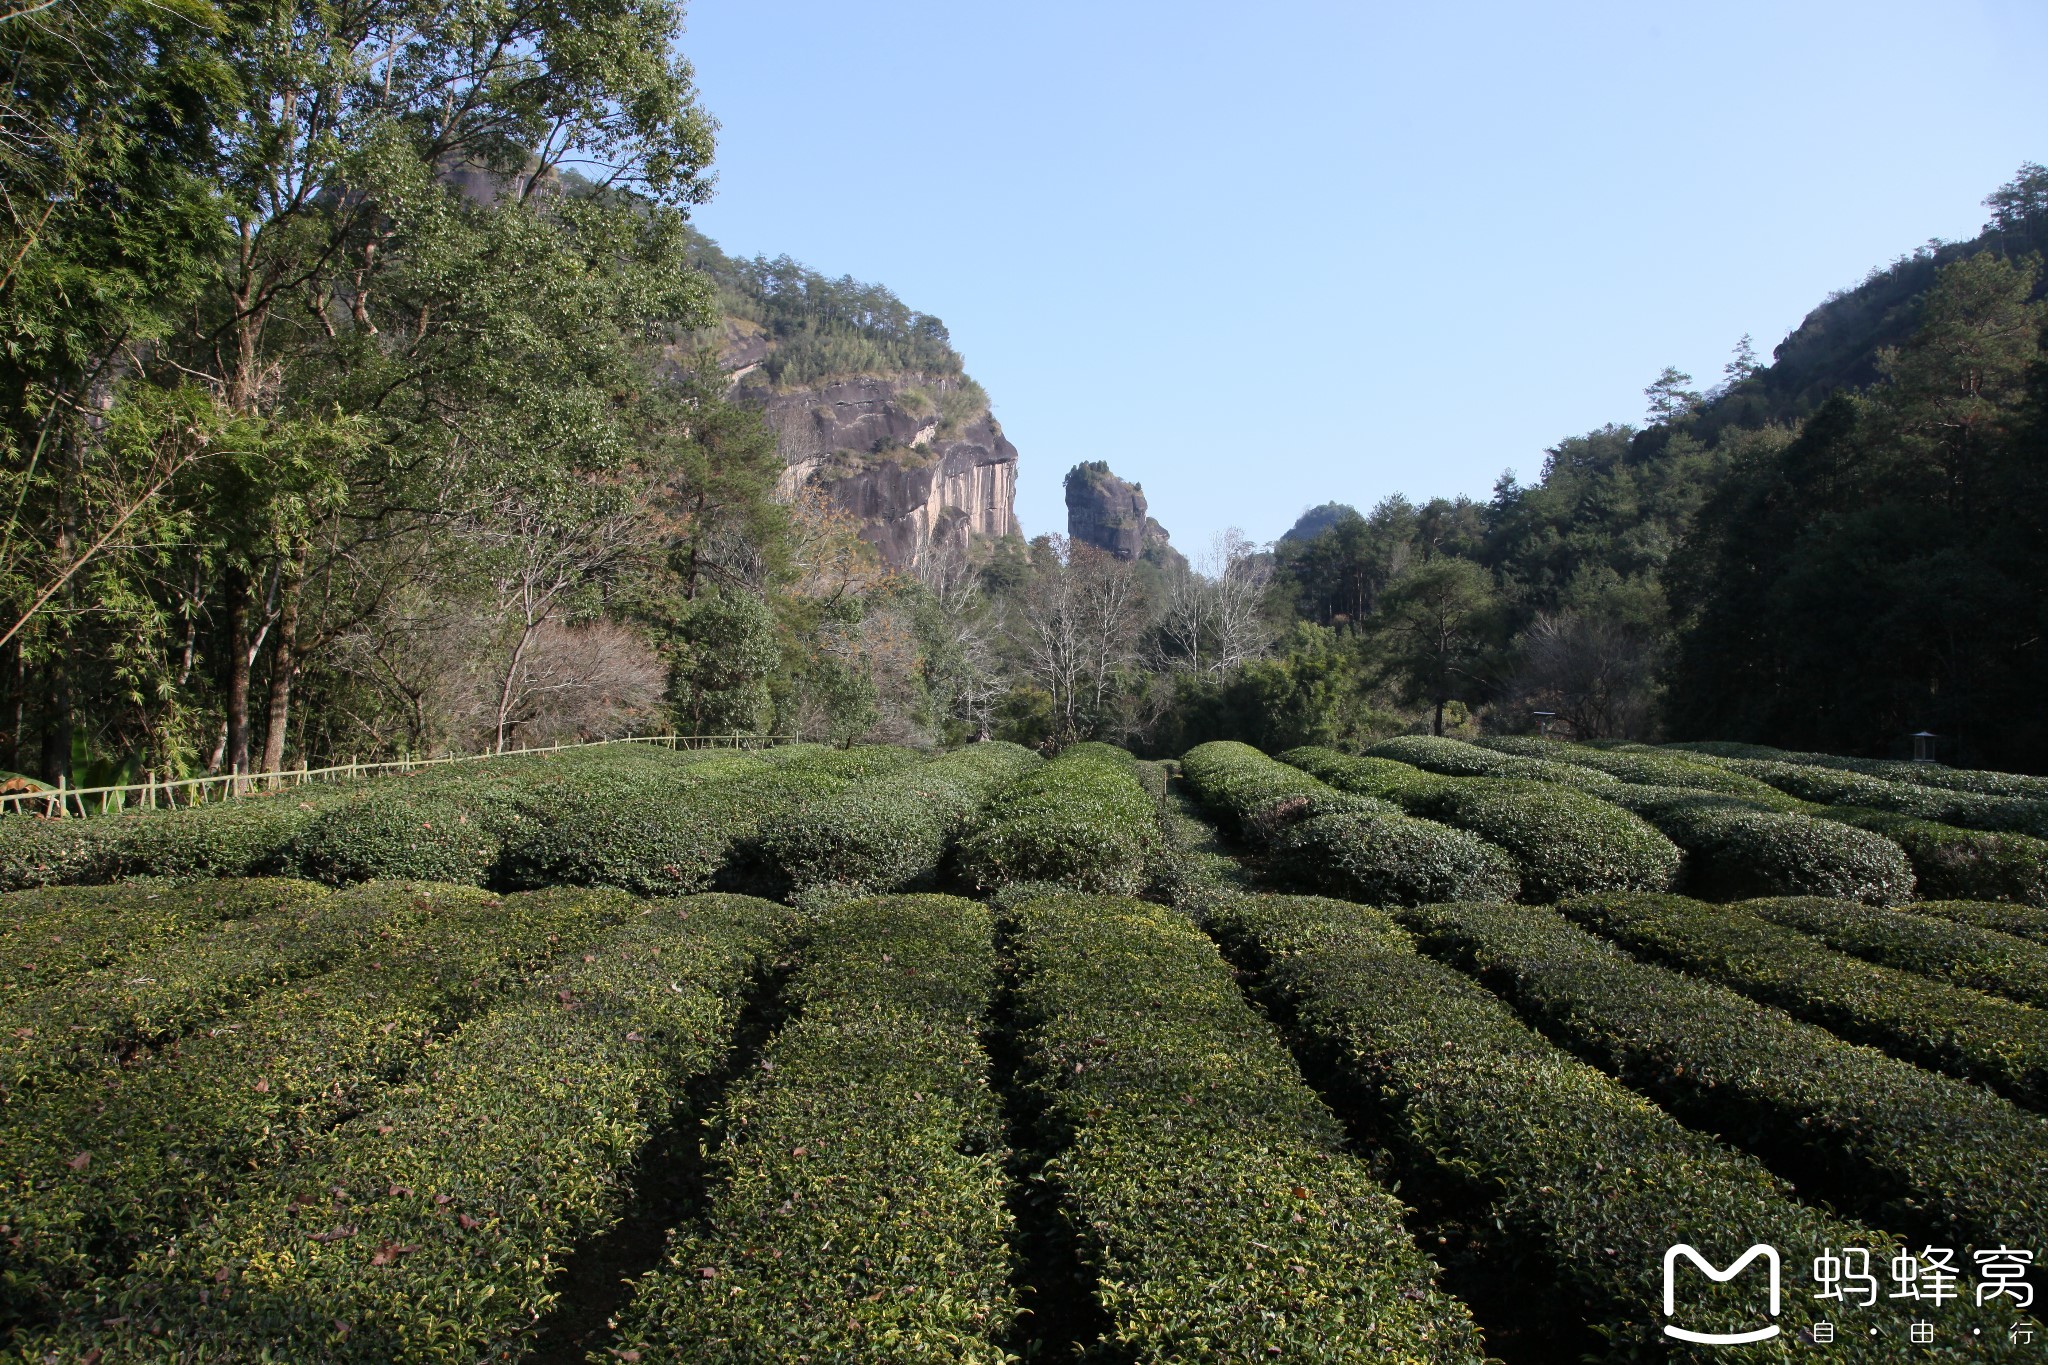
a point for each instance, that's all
(1317, 520)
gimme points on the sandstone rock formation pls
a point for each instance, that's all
(1108, 513)
(919, 460)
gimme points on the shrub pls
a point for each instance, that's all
(1523, 746)
(167, 1136)
(1578, 1173)
(680, 834)
(1976, 781)
(1725, 748)
(1563, 842)
(1961, 953)
(245, 837)
(1949, 1028)
(1393, 860)
(888, 832)
(1980, 782)
(1082, 821)
(147, 992)
(2021, 921)
(1832, 786)
(1960, 864)
(1151, 776)
(1191, 865)
(868, 1141)
(54, 934)
(1450, 757)
(38, 851)
(1380, 777)
(1651, 768)
(399, 835)
(1217, 1205)
(1909, 1149)
(1735, 851)
(432, 1226)
(1254, 797)
(1545, 770)
(1829, 786)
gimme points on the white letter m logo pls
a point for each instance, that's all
(1770, 1256)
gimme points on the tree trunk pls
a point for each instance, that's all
(1438, 732)
(56, 721)
(236, 589)
(20, 708)
(283, 664)
(511, 680)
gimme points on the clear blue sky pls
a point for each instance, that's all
(1261, 256)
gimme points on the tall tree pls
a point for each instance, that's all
(1439, 627)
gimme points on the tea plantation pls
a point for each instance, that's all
(1429, 1054)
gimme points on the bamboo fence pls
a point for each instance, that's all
(68, 802)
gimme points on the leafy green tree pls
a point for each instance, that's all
(1440, 630)
(1882, 574)
(721, 655)
(1669, 399)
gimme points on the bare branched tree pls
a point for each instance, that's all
(1240, 575)
(1211, 620)
(1077, 628)
(541, 553)
(1596, 672)
(594, 680)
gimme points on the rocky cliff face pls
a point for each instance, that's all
(1108, 513)
(918, 460)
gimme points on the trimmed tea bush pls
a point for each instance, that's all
(1218, 1208)
(1545, 770)
(1563, 842)
(889, 832)
(2021, 921)
(1981, 782)
(1431, 753)
(1968, 956)
(1523, 746)
(1976, 781)
(1959, 864)
(1254, 797)
(1393, 860)
(54, 934)
(1832, 786)
(1583, 1175)
(1192, 865)
(400, 835)
(1650, 768)
(152, 991)
(678, 835)
(245, 837)
(114, 1161)
(36, 851)
(1912, 1150)
(1735, 851)
(860, 1209)
(1949, 1028)
(1083, 821)
(432, 1227)
(1380, 777)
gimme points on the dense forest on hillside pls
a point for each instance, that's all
(1832, 551)
(361, 395)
